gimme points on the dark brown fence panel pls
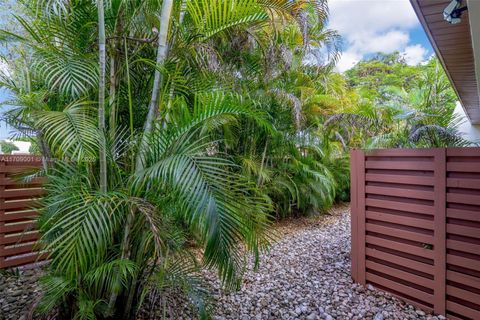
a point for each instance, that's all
(463, 233)
(18, 233)
(416, 226)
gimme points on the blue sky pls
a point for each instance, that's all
(370, 26)
(4, 129)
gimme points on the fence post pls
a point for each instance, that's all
(440, 222)
(2, 212)
(354, 213)
(361, 218)
(357, 175)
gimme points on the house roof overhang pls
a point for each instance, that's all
(458, 48)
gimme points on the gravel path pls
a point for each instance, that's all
(306, 275)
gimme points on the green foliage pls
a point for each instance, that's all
(403, 106)
(7, 147)
(380, 72)
(250, 124)
(186, 184)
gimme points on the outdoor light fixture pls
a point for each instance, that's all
(453, 12)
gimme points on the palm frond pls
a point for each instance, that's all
(212, 17)
(78, 222)
(71, 74)
(71, 133)
(212, 199)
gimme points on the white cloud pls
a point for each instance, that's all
(415, 54)
(347, 60)
(353, 16)
(381, 42)
(370, 26)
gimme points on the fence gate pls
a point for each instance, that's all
(18, 233)
(416, 226)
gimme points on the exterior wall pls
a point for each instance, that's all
(416, 226)
(470, 131)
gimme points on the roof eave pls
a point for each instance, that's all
(472, 111)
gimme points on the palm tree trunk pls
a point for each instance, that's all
(162, 51)
(112, 95)
(101, 96)
(152, 110)
(114, 60)
(129, 89)
(161, 56)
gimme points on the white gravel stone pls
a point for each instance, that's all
(306, 275)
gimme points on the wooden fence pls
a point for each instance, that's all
(416, 226)
(18, 234)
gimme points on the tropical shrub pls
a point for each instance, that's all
(405, 107)
(146, 113)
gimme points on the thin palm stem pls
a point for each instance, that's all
(162, 51)
(101, 95)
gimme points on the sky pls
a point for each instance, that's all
(5, 130)
(371, 26)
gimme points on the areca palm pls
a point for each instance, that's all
(170, 177)
(180, 182)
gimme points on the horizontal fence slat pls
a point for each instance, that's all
(21, 215)
(463, 214)
(38, 181)
(463, 183)
(400, 153)
(463, 262)
(24, 226)
(25, 193)
(15, 169)
(16, 250)
(402, 247)
(463, 198)
(403, 234)
(23, 260)
(463, 230)
(423, 306)
(462, 310)
(400, 165)
(400, 192)
(400, 179)
(25, 237)
(462, 152)
(409, 263)
(19, 204)
(409, 291)
(464, 279)
(463, 246)
(410, 277)
(395, 205)
(463, 294)
(398, 219)
(463, 167)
